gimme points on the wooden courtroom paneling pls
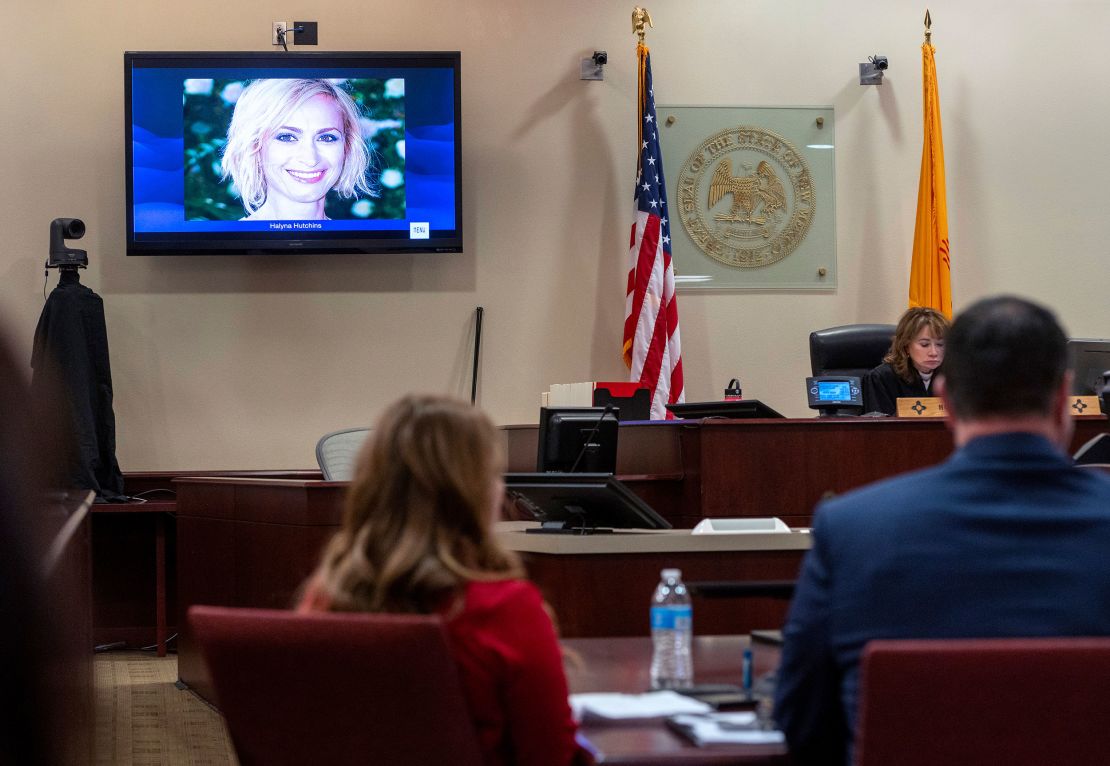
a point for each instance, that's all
(67, 663)
(690, 470)
(251, 541)
(247, 543)
(609, 595)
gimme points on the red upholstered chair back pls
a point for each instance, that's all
(985, 702)
(336, 689)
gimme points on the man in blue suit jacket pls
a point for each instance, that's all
(1005, 538)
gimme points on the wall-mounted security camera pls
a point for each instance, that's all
(61, 256)
(593, 67)
(871, 71)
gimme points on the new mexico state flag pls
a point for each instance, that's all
(930, 271)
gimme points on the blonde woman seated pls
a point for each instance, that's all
(290, 142)
(417, 537)
(910, 367)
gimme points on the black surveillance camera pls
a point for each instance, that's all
(601, 58)
(880, 62)
(61, 256)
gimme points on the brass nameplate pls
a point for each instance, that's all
(1084, 405)
(923, 407)
(933, 407)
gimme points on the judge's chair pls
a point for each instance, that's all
(851, 349)
(984, 702)
(336, 689)
(336, 452)
(1094, 452)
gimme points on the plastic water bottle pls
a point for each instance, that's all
(672, 628)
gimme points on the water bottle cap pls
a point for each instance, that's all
(672, 574)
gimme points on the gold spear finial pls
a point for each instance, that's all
(641, 19)
(928, 27)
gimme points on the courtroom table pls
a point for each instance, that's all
(120, 528)
(688, 470)
(252, 542)
(134, 549)
(624, 665)
(601, 585)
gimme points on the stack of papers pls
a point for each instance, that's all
(611, 706)
(725, 728)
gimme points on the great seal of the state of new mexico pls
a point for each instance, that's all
(746, 197)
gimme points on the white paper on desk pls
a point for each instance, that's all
(708, 730)
(612, 706)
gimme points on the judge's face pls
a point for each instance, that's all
(926, 351)
(303, 157)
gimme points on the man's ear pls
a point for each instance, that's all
(1064, 397)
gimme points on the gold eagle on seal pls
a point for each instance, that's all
(762, 190)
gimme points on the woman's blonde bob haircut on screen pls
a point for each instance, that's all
(261, 109)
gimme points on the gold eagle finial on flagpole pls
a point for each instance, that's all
(640, 20)
(928, 27)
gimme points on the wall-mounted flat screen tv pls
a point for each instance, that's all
(264, 153)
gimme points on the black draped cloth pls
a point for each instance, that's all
(70, 357)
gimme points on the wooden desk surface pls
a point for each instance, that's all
(623, 664)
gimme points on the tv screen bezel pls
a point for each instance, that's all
(290, 242)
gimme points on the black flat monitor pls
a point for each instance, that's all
(580, 503)
(742, 409)
(218, 158)
(1088, 358)
(577, 439)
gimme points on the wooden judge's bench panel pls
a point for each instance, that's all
(690, 470)
(250, 542)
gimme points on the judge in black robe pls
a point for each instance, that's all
(911, 366)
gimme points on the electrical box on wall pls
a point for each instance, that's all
(297, 33)
(305, 33)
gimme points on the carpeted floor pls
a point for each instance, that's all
(142, 719)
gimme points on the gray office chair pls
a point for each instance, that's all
(336, 452)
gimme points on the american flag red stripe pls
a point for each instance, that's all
(652, 344)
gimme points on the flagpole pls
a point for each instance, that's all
(928, 28)
(652, 342)
(641, 19)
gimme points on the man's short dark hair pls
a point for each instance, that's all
(1004, 356)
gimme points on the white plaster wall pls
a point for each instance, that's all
(225, 362)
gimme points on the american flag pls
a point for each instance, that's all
(652, 348)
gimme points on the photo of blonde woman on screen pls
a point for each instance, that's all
(290, 142)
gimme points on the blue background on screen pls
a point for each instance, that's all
(833, 392)
(158, 146)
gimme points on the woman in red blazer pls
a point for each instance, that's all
(417, 537)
